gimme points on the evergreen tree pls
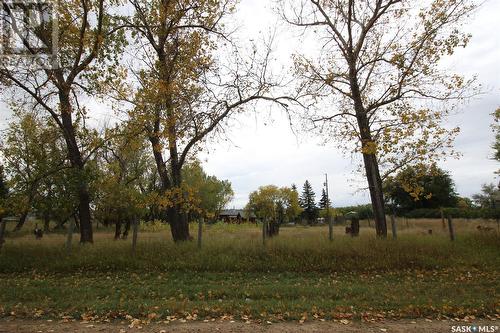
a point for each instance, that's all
(308, 202)
(324, 202)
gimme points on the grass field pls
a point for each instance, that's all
(299, 275)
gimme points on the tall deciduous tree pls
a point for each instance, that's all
(124, 166)
(86, 57)
(378, 72)
(184, 93)
(31, 149)
(211, 194)
(274, 204)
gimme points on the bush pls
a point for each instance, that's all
(364, 211)
(467, 213)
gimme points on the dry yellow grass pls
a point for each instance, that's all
(298, 272)
(252, 232)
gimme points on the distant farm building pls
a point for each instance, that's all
(236, 216)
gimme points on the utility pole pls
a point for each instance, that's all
(328, 217)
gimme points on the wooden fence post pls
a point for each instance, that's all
(200, 230)
(69, 237)
(442, 218)
(393, 225)
(3, 223)
(135, 232)
(264, 230)
(330, 228)
(450, 227)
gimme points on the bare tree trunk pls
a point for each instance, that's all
(77, 220)
(200, 231)
(272, 229)
(118, 229)
(127, 228)
(46, 223)
(376, 194)
(442, 218)
(21, 221)
(2, 231)
(369, 155)
(86, 234)
(179, 226)
(134, 234)
(77, 163)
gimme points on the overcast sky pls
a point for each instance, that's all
(264, 150)
(264, 153)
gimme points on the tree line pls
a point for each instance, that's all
(285, 205)
(123, 184)
(421, 191)
(175, 73)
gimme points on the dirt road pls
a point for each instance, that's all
(403, 326)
